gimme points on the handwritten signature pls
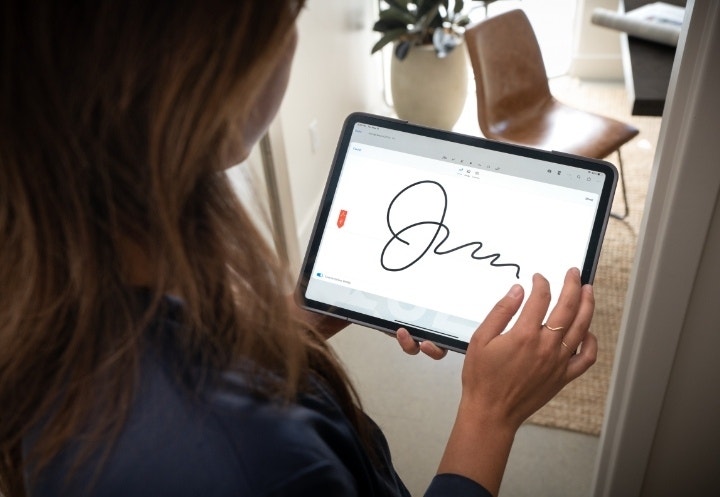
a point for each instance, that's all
(425, 245)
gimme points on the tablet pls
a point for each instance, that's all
(427, 229)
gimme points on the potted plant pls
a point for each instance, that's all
(428, 75)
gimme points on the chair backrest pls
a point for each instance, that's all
(510, 75)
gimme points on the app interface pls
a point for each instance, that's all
(431, 234)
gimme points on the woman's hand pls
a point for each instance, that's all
(507, 377)
(326, 325)
(518, 372)
(412, 347)
(329, 326)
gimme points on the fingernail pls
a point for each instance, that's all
(575, 271)
(515, 291)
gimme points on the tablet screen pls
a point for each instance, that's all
(427, 229)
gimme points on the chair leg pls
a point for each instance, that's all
(624, 190)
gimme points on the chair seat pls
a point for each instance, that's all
(514, 101)
(556, 126)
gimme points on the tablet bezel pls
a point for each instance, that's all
(390, 327)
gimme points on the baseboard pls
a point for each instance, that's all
(605, 67)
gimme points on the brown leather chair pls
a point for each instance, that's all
(514, 100)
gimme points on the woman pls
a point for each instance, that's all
(147, 346)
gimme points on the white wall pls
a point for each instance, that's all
(685, 455)
(333, 75)
(597, 51)
(662, 425)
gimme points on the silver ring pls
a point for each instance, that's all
(559, 328)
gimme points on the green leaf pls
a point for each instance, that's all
(395, 15)
(398, 4)
(384, 26)
(462, 21)
(425, 6)
(389, 37)
(430, 18)
(459, 6)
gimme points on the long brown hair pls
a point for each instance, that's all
(116, 121)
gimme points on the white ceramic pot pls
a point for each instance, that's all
(429, 90)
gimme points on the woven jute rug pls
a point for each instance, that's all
(581, 405)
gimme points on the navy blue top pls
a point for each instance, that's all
(230, 443)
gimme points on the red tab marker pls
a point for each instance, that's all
(341, 218)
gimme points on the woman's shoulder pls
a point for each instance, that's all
(225, 441)
(287, 444)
